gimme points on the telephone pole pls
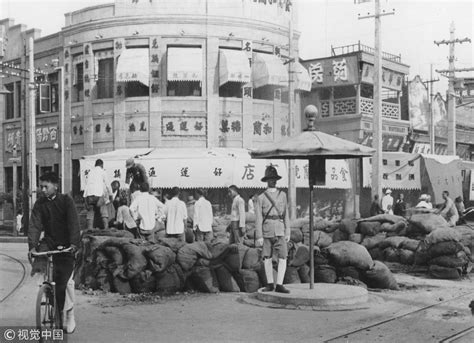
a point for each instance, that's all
(431, 129)
(451, 95)
(291, 96)
(377, 117)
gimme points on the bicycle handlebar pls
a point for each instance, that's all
(50, 253)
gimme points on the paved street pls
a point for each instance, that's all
(425, 310)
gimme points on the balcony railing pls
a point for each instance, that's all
(346, 49)
(348, 106)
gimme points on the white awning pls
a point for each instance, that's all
(185, 64)
(134, 65)
(302, 78)
(268, 69)
(234, 66)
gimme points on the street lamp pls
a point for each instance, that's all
(61, 117)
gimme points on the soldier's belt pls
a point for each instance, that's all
(274, 217)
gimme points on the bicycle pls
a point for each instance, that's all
(48, 315)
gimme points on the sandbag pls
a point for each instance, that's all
(143, 282)
(382, 218)
(440, 272)
(235, 257)
(410, 244)
(421, 254)
(347, 253)
(466, 234)
(373, 241)
(104, 280)
(171, 280)
(301, 256)
(332, 227)
(188, 235)
(121, 286)
(338, 236)
(380, 277)
(394, 242)
(428, 221)
(376, 254)
(369, 228)
(291, 275)
(160, 257)
(406, 256)
(217, 249)
(303, 273)
(252, 259)
(173, 243)
(385, 227)
(226, 281)
(325, 274)
(352, 272)
(136, 260)
(321, 239)
(391, 255)
(114, 254)
(347, 280)
(204, 279)
(247, 280)
(108, 232)
(299, 222)
(189, 253)
(296, 235)
(320, 257)
(356, 238)
(321, 224)
(442, 235)
(451, 261)
(348, 226)
(444, 248)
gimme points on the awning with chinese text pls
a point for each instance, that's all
(234, 66)
(134, 65)
(184, 64)
(268, 69)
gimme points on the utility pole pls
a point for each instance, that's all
(431, 129)
(291, 96)
(451, 95)
(32, 123)
(377, 117)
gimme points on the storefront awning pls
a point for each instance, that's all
(444, 175)
(210, 168)
(389, 142)
(302, 78)
(234, 66)
(399, 171)
(134, 65)
(268, 69)
(185, 64)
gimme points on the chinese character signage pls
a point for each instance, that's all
(187, 126)
(390, 79)
(335, 71)
(13, 139)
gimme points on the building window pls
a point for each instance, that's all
(264, 93)
(9, 102)
(136, 88)
(367, 91)
(397, 163)
(47, 96)
(398, 176)
(18, 98)
(384, 162)
(78, 87)
(231, 90)
(411, 176)
(184, 88)
(105, 79)
(385, 176)
(411, 163)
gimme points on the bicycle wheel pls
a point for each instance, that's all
(46, 312)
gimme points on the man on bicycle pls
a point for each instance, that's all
(55, 214)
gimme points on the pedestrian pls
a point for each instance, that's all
(400, 207)
(124, 220)
(115, 194)
(448, 211)
(387, 202)
(375, 208)
(134, 191)
(190, 205)
(203, 217)
(19, 220)
(176, 215)
(135, 174)
(423, 202)
(251, 203)
(56, 217)
(146, 210)
(273, 229)
(97, 193)
(237, 216)
(461, 210)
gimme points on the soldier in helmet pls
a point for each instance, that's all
(273, 229)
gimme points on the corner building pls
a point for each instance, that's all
(158, 73)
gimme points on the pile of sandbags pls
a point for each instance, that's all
(446, 256)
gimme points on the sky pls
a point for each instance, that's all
(325, 23)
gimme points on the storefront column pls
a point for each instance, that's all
(119, 101)
(66, 62)
(277, 114)
(157, 91)
(247, 116)
(331, 102)
(88, 79)
(212, 91)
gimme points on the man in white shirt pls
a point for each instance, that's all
(387, 202)
(203, 218)
(145, 210)
(96, 194)
(237, 216)
(176, 215)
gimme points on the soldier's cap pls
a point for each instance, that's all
(130, 162)
(271, 174)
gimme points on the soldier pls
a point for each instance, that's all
(273, 229)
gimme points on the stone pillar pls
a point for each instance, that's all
(119, 123)
(247, 116)
(88, 78)
(277, 114)
(157, 91)
(212, 91)
(66, 62)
